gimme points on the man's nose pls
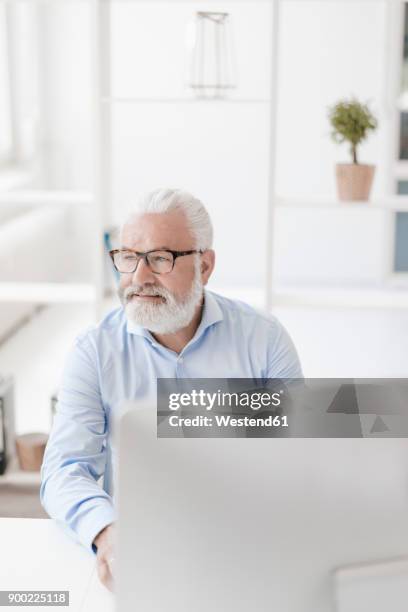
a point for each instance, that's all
(143, 273)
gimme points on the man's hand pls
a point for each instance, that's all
(104, 542)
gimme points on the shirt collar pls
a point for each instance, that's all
(212, 313)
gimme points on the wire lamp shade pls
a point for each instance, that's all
(212, 62)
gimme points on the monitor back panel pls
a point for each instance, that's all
(236, 525)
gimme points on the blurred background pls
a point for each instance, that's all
(100, 101)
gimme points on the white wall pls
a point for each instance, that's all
(329, 50)
(65, 63)
(333, 245)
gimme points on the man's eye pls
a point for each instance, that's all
(159, 258)
(128, 257)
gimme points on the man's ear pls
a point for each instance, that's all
(207, 265)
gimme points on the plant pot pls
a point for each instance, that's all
(30, 451)
(354, 181)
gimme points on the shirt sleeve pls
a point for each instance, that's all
(75, 456)
(283, 359)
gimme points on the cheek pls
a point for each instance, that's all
(176, 285)
(124, 280)
(182, 284)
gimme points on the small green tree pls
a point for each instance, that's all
(351, 121)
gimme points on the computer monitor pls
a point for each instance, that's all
(237, 525)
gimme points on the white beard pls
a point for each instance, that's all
(167, 317)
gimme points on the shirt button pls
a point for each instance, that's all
(180, 359)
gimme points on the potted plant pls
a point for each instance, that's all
(351, 122)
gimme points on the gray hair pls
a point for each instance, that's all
(166, 200)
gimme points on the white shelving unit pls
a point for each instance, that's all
(101, 197)
(364, 297)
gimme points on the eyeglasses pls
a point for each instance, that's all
(159, 262)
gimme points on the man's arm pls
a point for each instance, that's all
(75, 456)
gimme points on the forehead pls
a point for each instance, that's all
(157, 230)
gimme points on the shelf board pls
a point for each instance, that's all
(181, 100)
(227, 1)
(40, 197)
(47, 293)
(327, 203)
(400, 169)
(308, 296)
(341, 297)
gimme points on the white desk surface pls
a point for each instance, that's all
(38, 555)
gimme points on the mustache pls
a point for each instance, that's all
(150, 290)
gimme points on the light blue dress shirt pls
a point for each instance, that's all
(116, 361)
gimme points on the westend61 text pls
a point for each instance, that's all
(228, 421)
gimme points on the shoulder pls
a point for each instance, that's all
(241, 313)
(109, 330)
(263, 335)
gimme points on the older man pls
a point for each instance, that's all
(167, 326)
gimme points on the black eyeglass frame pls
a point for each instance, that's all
(175, 254)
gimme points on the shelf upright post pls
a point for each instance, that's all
(271, 194)
(102, 140)
(392, 70)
